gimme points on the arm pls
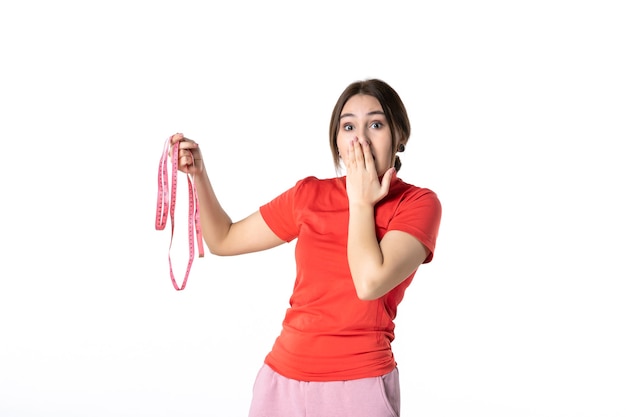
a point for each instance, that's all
(221, 235)
(376, 268)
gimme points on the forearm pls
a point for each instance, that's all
(214, 220)
(365, 257)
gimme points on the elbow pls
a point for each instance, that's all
(368, 291)
(373, 286)
(223, 249)
(367, 296)
(218, 250)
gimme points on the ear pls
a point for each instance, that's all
(400, 141)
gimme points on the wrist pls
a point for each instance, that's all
(200, 177)
(361, 206)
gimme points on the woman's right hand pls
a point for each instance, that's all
(189, 155)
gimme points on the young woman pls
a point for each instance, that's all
(360, 239)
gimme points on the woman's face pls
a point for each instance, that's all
(362, 117)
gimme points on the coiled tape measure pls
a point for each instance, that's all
(164, 206)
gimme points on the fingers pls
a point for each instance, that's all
(360, 154)
(185, 158)
(368, 158)
(183, 142)
(386, 180)
(176, 137)
(189, 156)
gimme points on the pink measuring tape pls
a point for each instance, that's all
(163, 206)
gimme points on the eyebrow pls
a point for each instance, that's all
(372, 113)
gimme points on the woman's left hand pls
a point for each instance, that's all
(363, 185)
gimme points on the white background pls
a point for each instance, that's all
(518, 113)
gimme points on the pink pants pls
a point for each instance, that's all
(277, 396)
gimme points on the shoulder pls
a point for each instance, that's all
(405, 192)
(313, 194)
(312, 184)
(322, 182)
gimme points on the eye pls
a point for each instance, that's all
(348, 127)
(376, 125)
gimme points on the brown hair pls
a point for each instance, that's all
(393, 108)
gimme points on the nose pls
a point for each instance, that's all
(364, 134)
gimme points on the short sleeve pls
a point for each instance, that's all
(419, 214)
(280, 216)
